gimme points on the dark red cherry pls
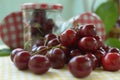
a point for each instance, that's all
(42, 50)
(93, 60)
(68, 37)
(99, 54)
(39, 64)
(75, 52)
(49, 37)
(80, 66)
(21, 60)
(56, 57)
(53, 42)
(114, 50)
(87, 44)
(111, 61)
(14, 52)
(87, 30)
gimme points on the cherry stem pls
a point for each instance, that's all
(47, 48)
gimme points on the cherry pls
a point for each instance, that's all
(99, 41)
(99, 54)
(87, 43)
(14, 52)
(42, 50)
(75, 52)
(93, 60)
(39, 15)
(49, 24)
(49, 37)
(53, 42)
(106, 48)
(21, 60)
(56, 57)
(68, 37)
(87, 30)
(111, 61)
(39, 64)
(114, 50)
(80, 66)
(39, 42)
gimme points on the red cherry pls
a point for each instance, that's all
(99, 54)
(80, 66)
(49, 37)
(39, 64)
(93, 60)
(14, 52)
(68, 37)
(87, 30)
(87, 44)
(53, 42)
(75, 52)
(111, 61)
(57, 58)
(99, 41)
(114, 50)
(21, 60)
(42, 50)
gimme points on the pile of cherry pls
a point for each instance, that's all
(80, 48)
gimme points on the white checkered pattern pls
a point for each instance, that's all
(46, 6)
(12, 30)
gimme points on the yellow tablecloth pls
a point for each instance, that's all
(9, 72)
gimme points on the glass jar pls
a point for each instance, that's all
(40, 19)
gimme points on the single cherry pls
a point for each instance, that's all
(14, 52)
(39, 64)
(93, 60)
(87, 44)
(56, 57)
(21, 60)
(80, 66)
(87, 30)
(68, 37)
(111, 61)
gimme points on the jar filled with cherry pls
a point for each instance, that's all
(40, 19)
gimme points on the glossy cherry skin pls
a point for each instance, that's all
(39, 42)
(99, 54)
(39, 64)
(53, 42)
(49, 37)
(99, 41)
(87, 30)
(75, 52)
(80, 66)
(87, 44)
(42, 50)
(21, 60)
(56, 57)
(114, 50)
(111, 61)
(68, 38)
(14, 52)
(93, 60)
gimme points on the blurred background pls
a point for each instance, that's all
(71, 7)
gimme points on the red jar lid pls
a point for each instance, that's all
(27, 6)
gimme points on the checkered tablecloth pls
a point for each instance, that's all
(9, 72)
